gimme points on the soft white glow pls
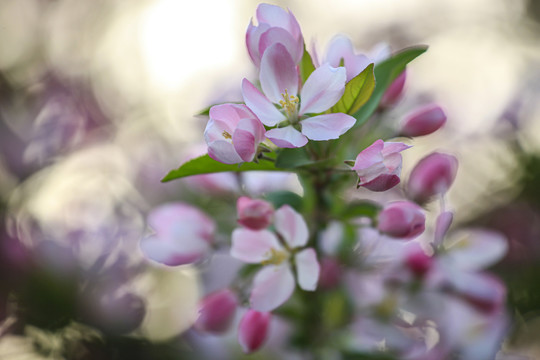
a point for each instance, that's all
(180, 39)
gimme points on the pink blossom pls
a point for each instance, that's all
(216, 311)
(340, 52)
(275, 282)
(183, 234)
(423, 121)
(402, 219)
(275, 25)
(254, 214)
(233, 133)
(253, 330)
(434, 174)
(281, 107)
(379, 165)
(419, 262)
(394, 91)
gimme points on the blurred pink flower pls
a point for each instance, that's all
(402, 219)
(279, 82)
(274, 283)
(253, 330)
(423, 121)
(254, 214)
(275, 25)
(379, 165)
(216, 311)
(183, 234)
(434, 174)
(233, 133)
(394, 91)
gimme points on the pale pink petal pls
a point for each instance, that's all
(247, 137)
(224, 152)
(287, 137)
(277, 16)
(253, 246)
(444, 220)
(341, 48)
(328, 126)
(278, 73)
(173, 254)
(393, 147)
(291, 226)
(260, 105)
(393, 163)
(322, 89)
(174, 220)
(230, 114)
(272, 286)
(476, 249)
(253, 34)
(279, 35)
(307, 269)
(369, 156)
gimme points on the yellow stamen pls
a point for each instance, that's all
(226, 135)
(289, 103)
(276, 257)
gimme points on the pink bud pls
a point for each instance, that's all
(423, 121)
(254, 214)
(442, 224)
(433, 175)
(402, 219)
(418, 262)
(394, 91)
(330, 273)
(216, 311)
(253, 329)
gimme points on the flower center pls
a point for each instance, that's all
(276, 257)
(289, 103)
(226, 135)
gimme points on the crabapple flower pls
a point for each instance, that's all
(379, 165)
(233, 133)
(275, 25)
(402, 219)
(281, 107)
(254, 214)
(423, 121)
(253, 330)
(183, 235)
(341, 52)
(434, 174)
(216, 311)
(275, 283)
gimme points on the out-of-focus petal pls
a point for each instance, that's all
(278, 73)
(444, 220)
(322, 89)
(308, 269)
(291, 226)
(260, 105)
(176, 220)
(476, 249)
(173, 254)
(393, 147)
(382, 182)
(328, 126)
(272, 286)
(287, 137)
(372, 155)
(253, 330)
(253, 246)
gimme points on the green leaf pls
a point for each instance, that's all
(280, 198)
(206, 165)
(360, 208)
(386, 72)
(306, 66)
(357, 92)
(293, 158)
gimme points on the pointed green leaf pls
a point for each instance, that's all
(206, 165)
(306, 66)
(293, 158)
(357, 92)
(386, 72)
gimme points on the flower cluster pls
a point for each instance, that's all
(378, 268)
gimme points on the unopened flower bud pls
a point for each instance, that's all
(433, 175)
(216, 311)
(330, 274)
(402, 219)
(253, 213)
(394, 91)
(418, 262)
(253, 330)
(423, 121)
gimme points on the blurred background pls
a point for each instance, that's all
(97, 104)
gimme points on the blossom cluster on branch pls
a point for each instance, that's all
(345, 274)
